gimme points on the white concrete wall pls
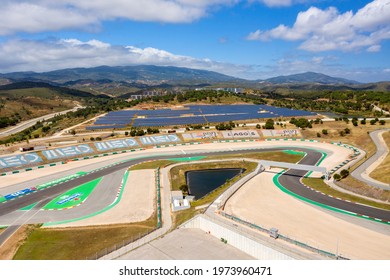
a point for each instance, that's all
(237, 240)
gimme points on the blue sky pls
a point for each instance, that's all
(253, 39)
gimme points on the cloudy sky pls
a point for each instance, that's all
(251, 39)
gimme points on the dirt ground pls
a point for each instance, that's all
(9, 248)
(261, 202)
(382, 173)
(137, 203)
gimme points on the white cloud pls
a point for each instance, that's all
(325, 30)
(48, 15)
(374, 48)
(282, 3)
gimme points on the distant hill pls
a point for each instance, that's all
(147, 74)
(125, 80)
(310, 77)
(19, 87)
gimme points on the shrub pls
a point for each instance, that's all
(337, 177)
(344, 173)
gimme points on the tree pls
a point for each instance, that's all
(269, 124)
(363, 121)
(347, 130)
(318, 134)
(344, 173)
(337, 177)
(372, 122)
(126, 133)
(325, 131)
(382, 122)
(184, 188)
(73, 132)
(258, 126)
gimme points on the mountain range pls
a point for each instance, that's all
(108, 79)
(160, 74)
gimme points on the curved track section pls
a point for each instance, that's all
(291, 181)
(361, 173)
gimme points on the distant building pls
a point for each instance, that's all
(148, 93)
(233, 90)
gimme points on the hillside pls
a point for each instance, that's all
(27, 100)
(125, 80)
(146, 74)
(310, 77)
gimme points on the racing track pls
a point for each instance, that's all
(290, 180)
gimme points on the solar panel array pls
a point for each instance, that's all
(192, 114)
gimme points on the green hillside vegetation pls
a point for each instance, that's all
(24, 104)
(28, 100)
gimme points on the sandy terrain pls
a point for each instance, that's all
(137, 202)
(261, 202)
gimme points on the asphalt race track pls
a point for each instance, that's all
(291, 181)
(113, 174)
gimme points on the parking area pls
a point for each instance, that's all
(187, 244)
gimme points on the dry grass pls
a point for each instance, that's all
(9, 248)
(177, 173)
(181, 216)
(361, 188)
(151, 165)
(319, 184)
(360, 138)
(80, 242)
(382, 173)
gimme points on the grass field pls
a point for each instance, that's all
(382, 173)
(152, 164)
(8, 249)
(79, 243)
(319, 184)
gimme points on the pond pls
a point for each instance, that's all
(201, 182)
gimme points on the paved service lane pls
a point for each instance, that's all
(361, 173)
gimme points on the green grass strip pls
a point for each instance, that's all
(60, 180)
(184, 159)
(293, 152)
(73, 197)
(283, 189)
(126, 175)
(29, 207)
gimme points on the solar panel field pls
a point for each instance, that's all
(193, 114)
